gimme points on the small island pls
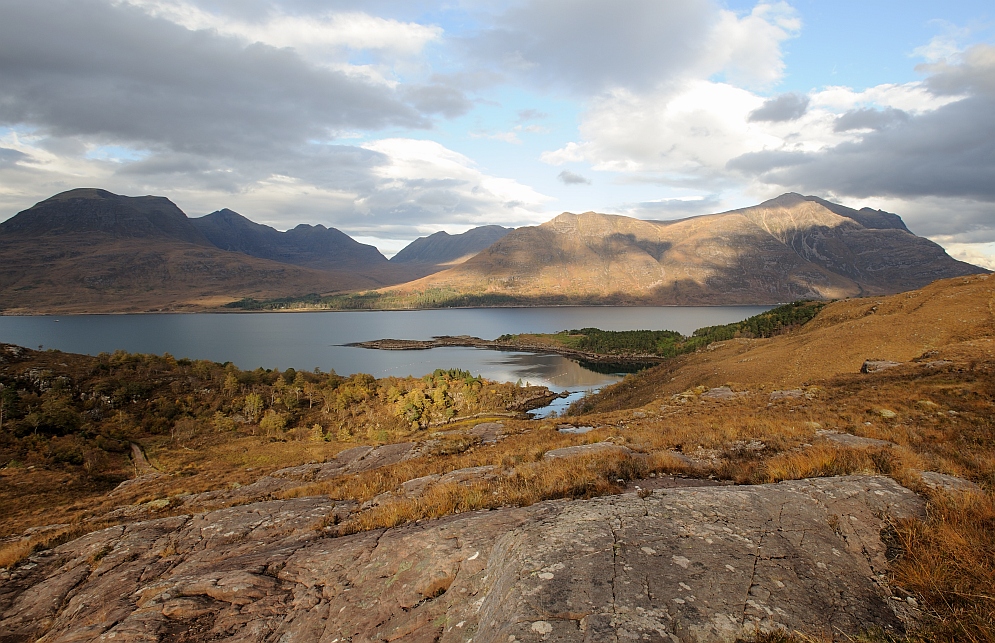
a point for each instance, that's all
(630, 348)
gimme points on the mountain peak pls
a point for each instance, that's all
(312, 246)
(444, 248)
(92, 210)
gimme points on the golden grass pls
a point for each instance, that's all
(13, 553)
(16, 552)
(529, 483)
(949, 564)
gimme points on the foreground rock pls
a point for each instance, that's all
(703, 564)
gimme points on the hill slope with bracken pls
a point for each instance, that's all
(89, 250)
(788, 248)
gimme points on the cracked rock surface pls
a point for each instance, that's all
(691, 564)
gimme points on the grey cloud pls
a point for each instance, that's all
(335, 167)
(10, 157)
(869, 119)
(591, 45)
(570, 178)
(525, 115)
(668, 209)
(953, 219)
(786, 107)
(757, 162)
(975, 74)
(438, 99)
(945, 153)
(82, 67)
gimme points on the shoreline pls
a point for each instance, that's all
(467, 341)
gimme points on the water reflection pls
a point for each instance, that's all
(554, 371)
(315, 340)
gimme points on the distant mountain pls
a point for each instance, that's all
(306, 245)
(788, 248)
(443, 249)
(89, 210)
(89, 250)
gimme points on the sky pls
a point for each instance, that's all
(394, 119)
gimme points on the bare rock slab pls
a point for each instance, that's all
(854, 441)
(946, 482)
(585, 449)
(488, 432)
(875, 365)
(686, 565)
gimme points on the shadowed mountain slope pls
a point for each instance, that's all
(90, 210)
(788, 248)
(88, 250)
(306, 245)
(443, 248)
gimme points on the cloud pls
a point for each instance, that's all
(320, 33)
(10, 157)
(869, 118)
(946, 152)
(569, 178)
(675, 208)
(980, 254)
(590, 46)
(437, 99)
(525, 115)
(85, 68)
(682, 137)
(786, 107)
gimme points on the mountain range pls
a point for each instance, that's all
(791, 247)
(89, 250)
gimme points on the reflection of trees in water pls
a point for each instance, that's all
(556, 370)
(615, 368)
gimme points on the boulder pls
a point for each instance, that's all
(488, 432)
(875, 365)
(855, 441)
(945, 482)
(585, 449)
(722, 393)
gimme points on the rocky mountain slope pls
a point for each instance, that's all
(89, 250)
(444, 249)
(312, 246)
(788, 248)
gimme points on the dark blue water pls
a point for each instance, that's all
(305, 341)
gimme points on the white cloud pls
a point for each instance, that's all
(748, 48)
(333, 30)
(684, 135)
(590, 46)
(424, 182)
(980, 254)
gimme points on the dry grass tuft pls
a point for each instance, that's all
(13, 553)
(531, 482)
(814, 462)
(949, 564)
(781, 636)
